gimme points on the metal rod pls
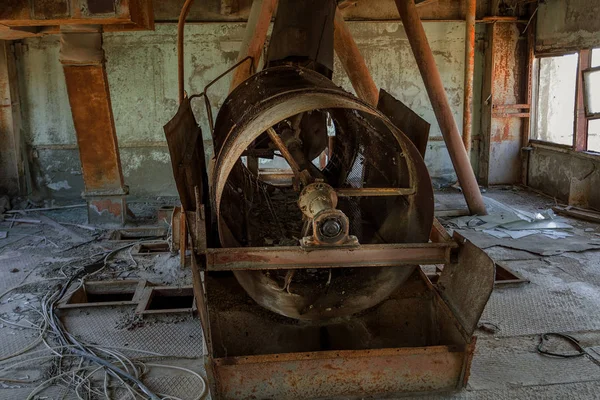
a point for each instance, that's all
(180, 25)
(254, 39)
(374, 192)
(469, 73)
(353, 62)
(284, 151)
(205, 93)
(439, 101)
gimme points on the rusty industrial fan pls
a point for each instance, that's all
(373, 188)
(326, 299)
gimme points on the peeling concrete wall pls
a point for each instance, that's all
(142, 73)
(573, 177)
(566, 174)
(567, 24)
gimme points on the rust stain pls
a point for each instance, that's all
(89, 97)
(113, 208)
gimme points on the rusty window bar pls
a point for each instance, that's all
(292, 257)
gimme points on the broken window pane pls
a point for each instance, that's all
(594, 135)
(595, 58)
(555, 111)
(591, 85)
(594, 125)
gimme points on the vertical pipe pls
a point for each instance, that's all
(254, 39)
(469, 72)
(353, 62)
(180, 25)
(441, 107)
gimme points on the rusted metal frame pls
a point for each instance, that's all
(469, 74)
(580, 137)
(438, 233)
(439, 101)
(353, 62)
(198, 264)
(255, 36)
(511, 115)
(510, 106)
(180, 48)
(374, 192)
(295, 257)
(499, 111)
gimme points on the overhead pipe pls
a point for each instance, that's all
(353, 62)
(180, 60)
(439, 102)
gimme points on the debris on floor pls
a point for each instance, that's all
(504, 221)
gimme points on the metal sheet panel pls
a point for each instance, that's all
(405, 119)
(341, 373)
(466, 285)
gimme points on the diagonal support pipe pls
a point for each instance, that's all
(439, 101)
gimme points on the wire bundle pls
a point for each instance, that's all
(90, 371)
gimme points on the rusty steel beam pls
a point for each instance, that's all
(254, 39)
(294, 257)
(374, 192)
(89, 96)
(353, 62)
(469, 73)
(439, 101)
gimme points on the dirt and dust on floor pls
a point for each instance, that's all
(68, 331)
(83, 312)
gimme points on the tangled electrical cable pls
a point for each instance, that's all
(87, 361)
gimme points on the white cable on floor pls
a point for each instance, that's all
(186, 370)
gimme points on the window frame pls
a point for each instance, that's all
(581, 118)
(535, 84)
(589, 115)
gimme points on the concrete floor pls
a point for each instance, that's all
(562, 296)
